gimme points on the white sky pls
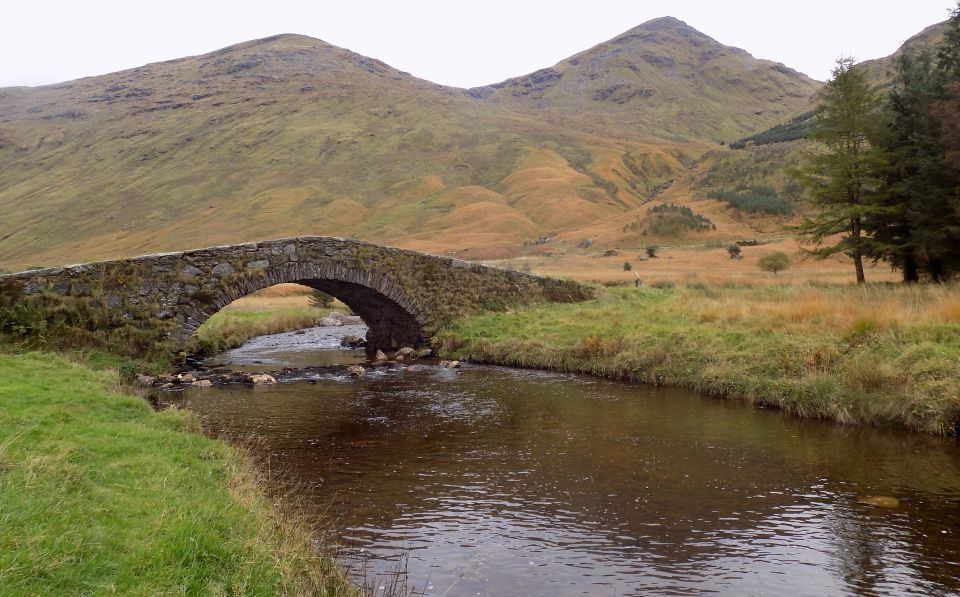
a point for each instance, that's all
(454, 43)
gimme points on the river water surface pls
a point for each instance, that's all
(494, 481)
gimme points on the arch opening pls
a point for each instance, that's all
(390, 323)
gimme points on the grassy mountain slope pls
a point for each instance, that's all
(665, 79)
(764, 158)
(290, 135)
(882, 70)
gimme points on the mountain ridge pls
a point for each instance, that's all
(627, 76)
(290, 135)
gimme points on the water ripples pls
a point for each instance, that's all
(495, 482)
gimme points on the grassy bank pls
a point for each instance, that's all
(884, 354)
(99, 494)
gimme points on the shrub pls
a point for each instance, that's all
(798, 128)
(320, 300)
(774, 262)
(652, 251)
(128, 371)
(757, 199)
(670, 219)
(19, 317)
(735, 251)
(626, 266)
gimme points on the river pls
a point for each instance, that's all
(495, 481)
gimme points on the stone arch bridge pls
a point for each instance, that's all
(157, 301)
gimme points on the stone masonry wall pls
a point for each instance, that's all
(160, 300)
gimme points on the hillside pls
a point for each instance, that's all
(290, 135)
(763, 159)
(882, 70)
(663, 79)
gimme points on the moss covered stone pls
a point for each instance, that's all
(154, 303)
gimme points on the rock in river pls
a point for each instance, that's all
(259, 379)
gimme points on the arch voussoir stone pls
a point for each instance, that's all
(402, 295)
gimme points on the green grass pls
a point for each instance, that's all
(884, 355)
(99, 494)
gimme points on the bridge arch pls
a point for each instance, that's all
(393, 318)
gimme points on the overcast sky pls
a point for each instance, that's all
(464, 44)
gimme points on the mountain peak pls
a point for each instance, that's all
(664, 78)
(663, 29)
(666, 22)
(286, 55)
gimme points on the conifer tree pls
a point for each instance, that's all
(916, 223)
(948, 55)
(839, 176)
(948, 108)
(910, 201)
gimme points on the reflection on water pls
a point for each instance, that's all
(502, 482)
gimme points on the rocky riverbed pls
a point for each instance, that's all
(329, 351)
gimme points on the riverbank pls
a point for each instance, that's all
(879, 355)
(99, 493)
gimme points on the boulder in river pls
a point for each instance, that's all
(330, 322)
(145, 380)
(406, 351)
(880, 501)
(356, 371)
(259, 379)
(353, 342)
(423, 353)
(450, 364)
(202, 383)
(380, 356)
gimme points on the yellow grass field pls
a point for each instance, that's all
(686, 265)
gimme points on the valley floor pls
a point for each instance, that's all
(100, 494)
(696, 262)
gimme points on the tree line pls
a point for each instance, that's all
(885, 177)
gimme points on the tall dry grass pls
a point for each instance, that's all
(881, 354)
(808, 309)
(274, 310)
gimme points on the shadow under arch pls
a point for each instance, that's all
(393, 319)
